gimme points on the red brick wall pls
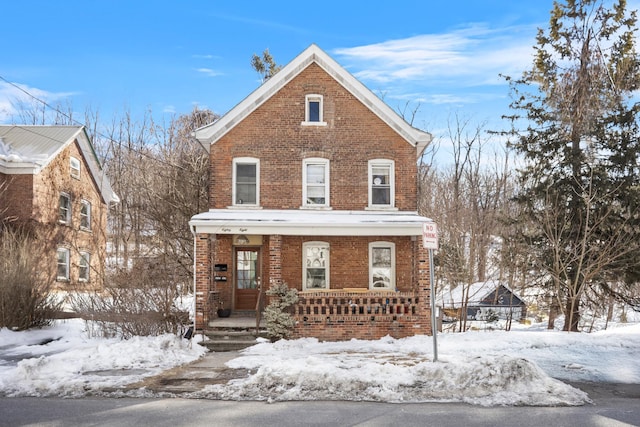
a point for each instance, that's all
(349, 260)
(274, 134)
(16, 194)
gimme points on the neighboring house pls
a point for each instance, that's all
(51, 180)
(484, 301)
(314, 183)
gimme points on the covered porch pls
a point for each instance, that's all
(348, 305)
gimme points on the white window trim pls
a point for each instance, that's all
(67, 220)
(304, 265)
(392, 184)
(74, 166)
(88, 204)
(315, 161)
(67, 266)
(310, 98)
(88, 266)
(382, 244)
(245, 160)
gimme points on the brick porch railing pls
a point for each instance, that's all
(342, 315)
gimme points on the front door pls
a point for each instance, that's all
(247, 278)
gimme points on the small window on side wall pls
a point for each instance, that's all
(313, 114)
(63, 265)
(85, 215)
(64, 208)
(84, 267)
(74, 165)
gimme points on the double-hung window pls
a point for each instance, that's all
(315, 269)
(85, 215)
(74, 166)
(315, 182)
(246, 181)
(84, 267)
(382, 265)
(313, 111)
(381, 184)
(64, 208)
(63, 264)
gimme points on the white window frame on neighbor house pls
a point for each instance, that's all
(85, 215)
(309, 187)
(74, 166)
(374, 185)
(373, 281)
(64, 209)
(84, 266)
(245, 161)
(315, 256)
(309, 101)
(62, 261)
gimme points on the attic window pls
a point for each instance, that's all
(313, 114)
(75, 167)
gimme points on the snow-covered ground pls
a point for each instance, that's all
(526, 366)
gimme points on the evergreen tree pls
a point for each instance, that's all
(576, 127)
(265, 65)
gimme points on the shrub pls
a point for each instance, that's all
(277, 314)
(26, 299)
(136, 302)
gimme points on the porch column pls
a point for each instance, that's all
(275, 259)
(424, 287)
(202, 279)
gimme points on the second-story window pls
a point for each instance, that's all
(74, 165)
(381, 184)
(246, 181)
(315, 182)
(85, 215)
(313, 113)
(64, 208)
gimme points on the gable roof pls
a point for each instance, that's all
(209, 134)
(28, 149)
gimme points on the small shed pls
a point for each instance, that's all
(490, 300)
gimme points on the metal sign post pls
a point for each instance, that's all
(430, 241)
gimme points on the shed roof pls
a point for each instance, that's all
(477, 292)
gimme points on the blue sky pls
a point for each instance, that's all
(167, 56)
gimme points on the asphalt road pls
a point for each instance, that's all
(614, 405)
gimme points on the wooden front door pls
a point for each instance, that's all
(247, 278)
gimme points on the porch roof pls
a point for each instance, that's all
(308, 223)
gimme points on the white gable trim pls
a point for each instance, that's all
(211, 133)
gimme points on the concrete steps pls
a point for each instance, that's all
(232, 335)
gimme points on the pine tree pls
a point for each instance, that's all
(576, 128)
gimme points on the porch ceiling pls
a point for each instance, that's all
(308, 223)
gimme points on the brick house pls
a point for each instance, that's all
(314, 184)
(51, 180)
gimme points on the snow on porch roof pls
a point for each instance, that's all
(308, 223)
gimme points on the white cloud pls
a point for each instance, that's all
(16, 95)
(471, 56)
(208, 72)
